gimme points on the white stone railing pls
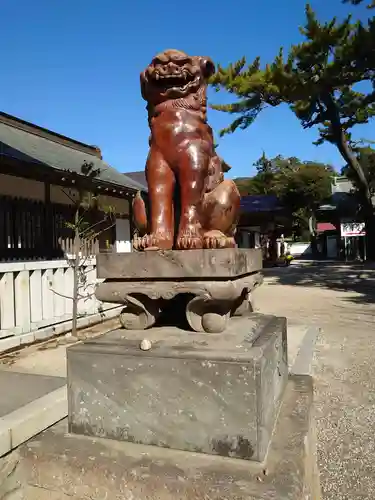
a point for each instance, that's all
(35, 295)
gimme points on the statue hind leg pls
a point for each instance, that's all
(140, 217)
(220, 215)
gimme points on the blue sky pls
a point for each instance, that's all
(73, 66)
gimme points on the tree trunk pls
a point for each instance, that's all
(313, 235)
(314, 246)
(343, 146)
(369, 219)
(370, 239)
(368, 209)
(75, 274)
(349, 156)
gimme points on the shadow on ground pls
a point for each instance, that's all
(357, 279)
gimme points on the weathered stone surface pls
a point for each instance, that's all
(58, 466)
(179, 264)
(144, 301)
(228, 290)
(216, 284)
(216, 394)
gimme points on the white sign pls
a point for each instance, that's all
(353, 229)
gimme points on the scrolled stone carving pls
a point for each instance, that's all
(243, 305)
(207, 315)
(211, 305)
(140, 312)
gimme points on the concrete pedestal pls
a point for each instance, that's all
(217, 394)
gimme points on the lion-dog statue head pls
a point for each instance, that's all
(173, 74)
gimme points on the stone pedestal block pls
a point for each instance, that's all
(214, 394)
(216, 284)
(179, 264)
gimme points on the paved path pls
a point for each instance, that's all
(33, 388)
(340, 299)
(19, 389)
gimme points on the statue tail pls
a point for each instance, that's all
(140, 214)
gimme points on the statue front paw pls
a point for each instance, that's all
(217, 239)
(189, 238)
(153, 241)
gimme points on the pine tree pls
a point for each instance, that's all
(317, 80)
(371, 5)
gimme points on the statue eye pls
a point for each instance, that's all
(207, 66)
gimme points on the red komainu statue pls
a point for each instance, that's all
(190, 206)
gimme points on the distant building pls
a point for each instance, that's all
(340, 229)
(262, 221)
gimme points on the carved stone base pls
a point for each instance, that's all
(222, 290)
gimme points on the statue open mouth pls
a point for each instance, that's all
(174, 81)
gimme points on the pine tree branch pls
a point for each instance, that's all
(342, 143)
(371, 5)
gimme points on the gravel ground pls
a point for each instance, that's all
(341, 300)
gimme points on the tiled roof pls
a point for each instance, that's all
(321, 227)
(29, 143)
(260, 203)
(139, 176)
